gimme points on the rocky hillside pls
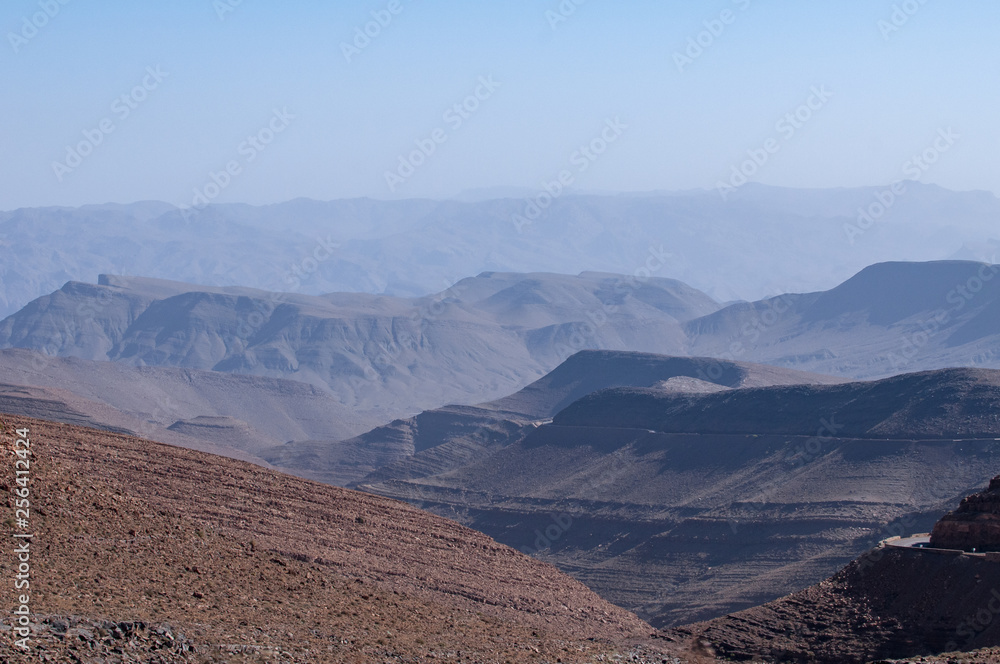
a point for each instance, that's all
(481, 339)
(159, 552)
(889, 318)
(892, 602)
(933, 404)
(454, 436)
(974, 526)
(685, 506)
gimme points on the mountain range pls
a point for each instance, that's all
(482, 339)
(723, 483)
(808, 240)
(682, 504)
(490, 335)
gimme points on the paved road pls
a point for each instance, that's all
(911, 542)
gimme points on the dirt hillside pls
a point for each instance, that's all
(145, 552)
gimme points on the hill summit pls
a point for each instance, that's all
(974, 526)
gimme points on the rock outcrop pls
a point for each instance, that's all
(974, 526)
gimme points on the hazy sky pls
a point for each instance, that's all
(155, 98)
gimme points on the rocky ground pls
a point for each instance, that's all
(984, 656)
(891, 603)
(148, 553)
(145, 552)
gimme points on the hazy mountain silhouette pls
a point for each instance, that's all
(481, 339)
(761, 241)
(889, 318)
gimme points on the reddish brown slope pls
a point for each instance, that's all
(892, 603)
(242, 560)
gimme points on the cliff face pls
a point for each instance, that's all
(974, 526)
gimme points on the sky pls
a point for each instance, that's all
(257, 102)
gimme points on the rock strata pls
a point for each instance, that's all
(974, 526)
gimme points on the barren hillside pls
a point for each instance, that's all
(132, 538)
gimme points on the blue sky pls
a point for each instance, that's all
(557, 84)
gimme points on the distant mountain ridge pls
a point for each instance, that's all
(947, 403)
(168, 404)
(415, 247)
(889, 318)
(590, 371)
(480, 339)
(453, 436)
(489, 335)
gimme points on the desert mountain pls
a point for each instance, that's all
(492, 334)
(895, 601)
(808, 239)
(686, 506)
(156, 553)
(479, 340)
(887, 319)
(453, 436)
(230, 414)
(947, 403)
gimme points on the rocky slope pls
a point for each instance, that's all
(948, 403)
(447, 438)
(724, 511)
(893, 602)
(148, 552)
(887, 319)
(167, 404)
(974, 526)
